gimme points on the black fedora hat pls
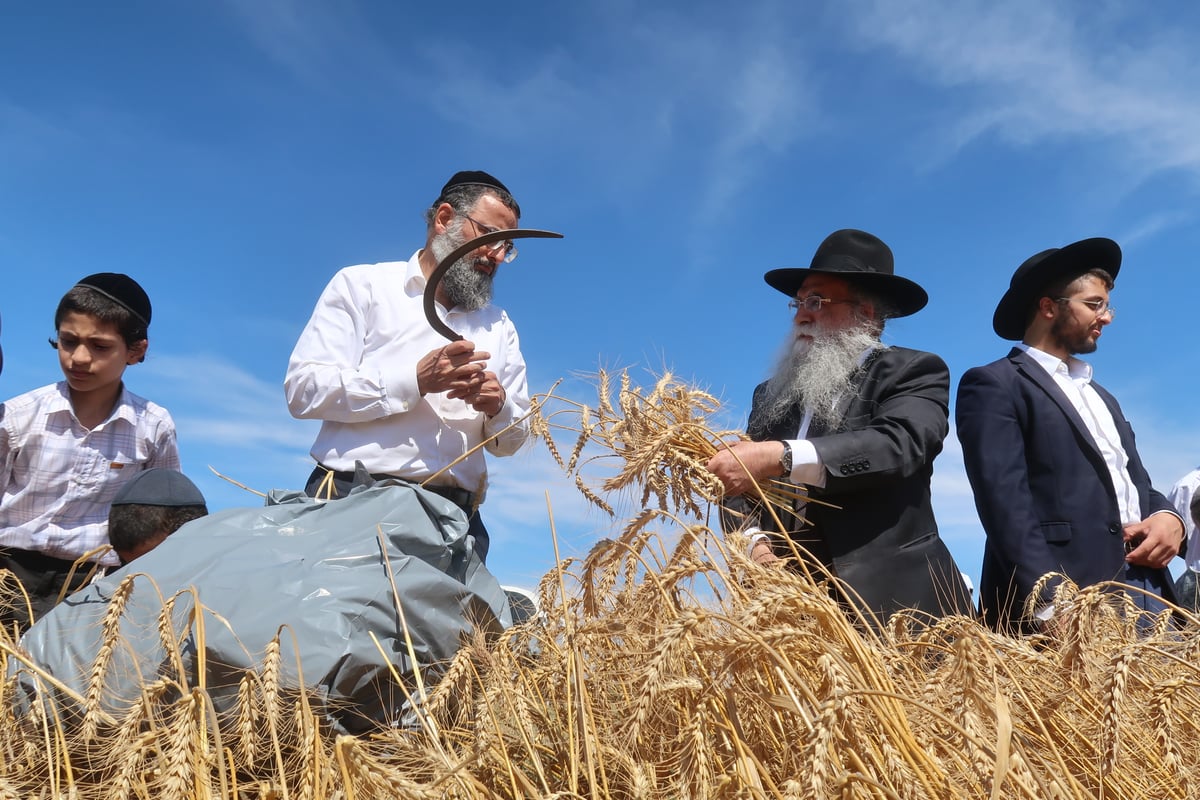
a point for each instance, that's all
(860, 259)
(1047, 267)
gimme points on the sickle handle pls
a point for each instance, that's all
(460, 251)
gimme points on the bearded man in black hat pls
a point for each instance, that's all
(1051, 458)
(391, 394)
(858, 424)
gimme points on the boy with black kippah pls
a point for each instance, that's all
(66, 449)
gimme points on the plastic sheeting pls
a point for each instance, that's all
(325, 573)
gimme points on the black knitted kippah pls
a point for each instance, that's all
(159, 487)
(123, 290)
(472, 178)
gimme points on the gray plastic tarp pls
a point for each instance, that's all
(318, 570)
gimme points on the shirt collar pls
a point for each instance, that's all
(414, 278)
(1076, 369)
(123, 410)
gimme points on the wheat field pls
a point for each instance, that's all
(665, 664)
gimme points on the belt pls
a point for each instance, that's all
(459, 496)
(37, 562)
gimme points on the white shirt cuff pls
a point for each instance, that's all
(753, 537)
(807, 466)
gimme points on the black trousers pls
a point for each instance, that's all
(43, 578)
(342, 482)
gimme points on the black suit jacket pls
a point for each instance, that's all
(1041, 486)
(883, 540)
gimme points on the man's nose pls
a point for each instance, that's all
(494, 256)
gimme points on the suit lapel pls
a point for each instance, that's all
(1034, 372)
(850, 404)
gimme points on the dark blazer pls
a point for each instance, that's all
(1043, 492)
(883, 540)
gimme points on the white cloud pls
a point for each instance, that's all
(1032, 72)
(230, 420)
(321, 43)
(1153, 225)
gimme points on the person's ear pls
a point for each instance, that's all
(1046, 307)
(137, 352)
(442, 217)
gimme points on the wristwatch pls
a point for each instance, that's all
(785, 460)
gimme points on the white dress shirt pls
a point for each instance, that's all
(1074, 377)
(1181, 497)
(355, 369)
(58, 479)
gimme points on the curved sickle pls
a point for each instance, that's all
(460, 251)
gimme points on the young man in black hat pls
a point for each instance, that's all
(67, 449)
(1051, 458)
(390, 392)
(148, 509)
(858, 423)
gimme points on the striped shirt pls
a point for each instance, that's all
(58, 479)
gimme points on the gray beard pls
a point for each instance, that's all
(815, 376)
(464, 287)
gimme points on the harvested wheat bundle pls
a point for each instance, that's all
(659, 440)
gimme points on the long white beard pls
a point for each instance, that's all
(815, 375)
(464, 287)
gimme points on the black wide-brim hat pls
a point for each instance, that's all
(1047, 267)
(861, 260)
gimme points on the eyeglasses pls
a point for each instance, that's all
(1099, 307)
(510, 249)
(813, 303)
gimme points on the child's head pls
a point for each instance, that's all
(110, 297)
(148, 509)
(102, 325)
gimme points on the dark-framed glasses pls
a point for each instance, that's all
(813, 303)
(1099, 307)
(510, 249)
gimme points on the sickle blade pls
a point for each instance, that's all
(434, 279)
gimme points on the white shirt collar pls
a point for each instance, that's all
(1075, 368)
(414, 278)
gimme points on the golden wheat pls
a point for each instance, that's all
(666, 664)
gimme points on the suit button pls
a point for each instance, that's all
(845, 468)
(1114, 529)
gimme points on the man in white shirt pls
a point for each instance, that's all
(1051, 458)
(391, 392)
(1182, 495)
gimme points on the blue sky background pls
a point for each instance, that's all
(231, 156)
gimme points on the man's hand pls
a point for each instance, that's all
(456, 369)
(761, 460)
(761, 552)
(1155, 540)
(486, 395)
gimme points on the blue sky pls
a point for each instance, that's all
(232, 156)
